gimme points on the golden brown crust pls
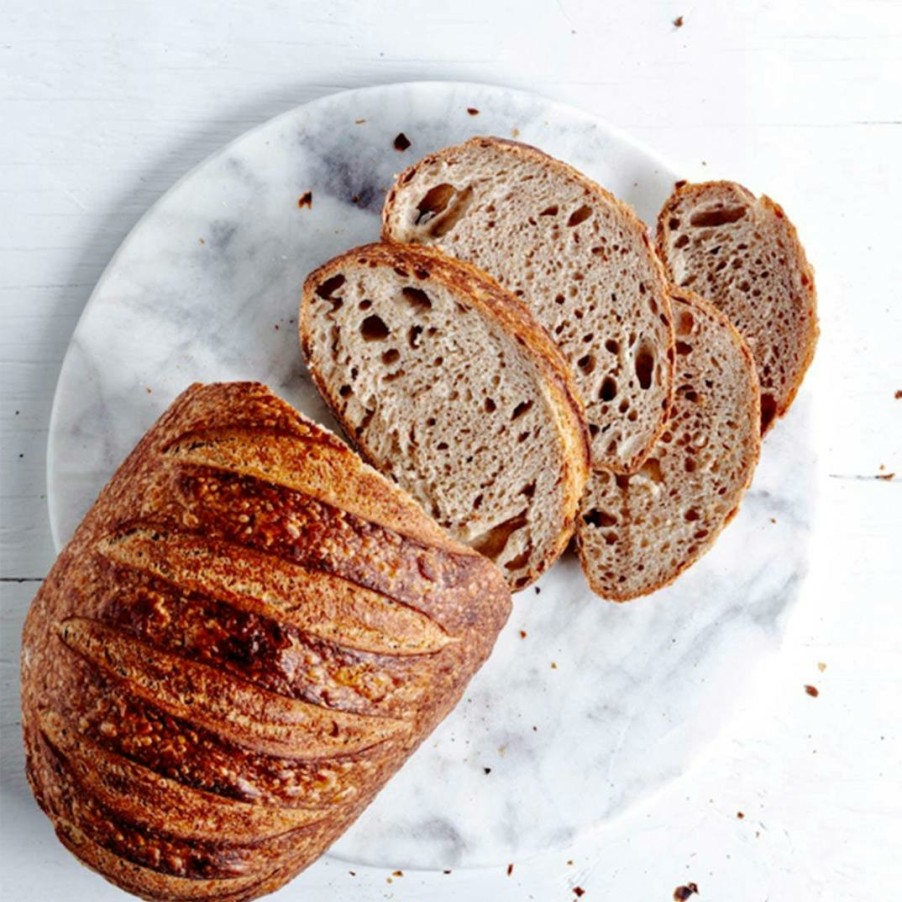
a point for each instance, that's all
(234, 653)
(624, 211)
(806, 328)
(474, 287)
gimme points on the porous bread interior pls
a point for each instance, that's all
(579, 262)
(445, 402)
(741, 254)
(639, 532)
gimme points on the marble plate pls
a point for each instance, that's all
(585, 707)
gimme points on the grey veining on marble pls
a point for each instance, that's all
(585, 707)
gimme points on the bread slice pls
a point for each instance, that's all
(638, 533)
(446, 383)
(580, 259)
(743, 255)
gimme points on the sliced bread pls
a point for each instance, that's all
(743, 255)
(638, 533)
(446, 383)
(580, 259)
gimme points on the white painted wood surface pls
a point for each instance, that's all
(104, 105)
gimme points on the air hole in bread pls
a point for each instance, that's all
(692, 514)
(413, 336)
(528, 490)
(434, 202)
(442, 207)
(417, 298)
(521, 560)
(493, 542)
(683, 348)
(586, 364)
(330, 286)
(392, 355)
(581, 214)
(706, 219)
(373, 328)
(600, 519)
(559, 299)
(520, 409)
(345, 391)
(390, 377)
(594, 429)
(403, 273)
(651, 469)
(365, 304)
(608, 389)
(430, 422)
(612, 345)
(550, 211)
(681, 242)
(490, 405)
(690, 465)
(684, 323)
(645, 365)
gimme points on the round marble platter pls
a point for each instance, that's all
(585, 707)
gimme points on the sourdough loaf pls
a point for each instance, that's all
(447, 384)
(580, 259)
(248, 634)
(637, 533)
(743, 255)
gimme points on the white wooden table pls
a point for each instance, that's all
(103, 105)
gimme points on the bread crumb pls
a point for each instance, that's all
(397, 873)
(401, 142)
(740, 815)
(821, 666)
(538, 590)
(510, 869)
(554, 665)
(359, 121)
(201, 241)
(773, 519)
(886, 476)
(812, 690)
(447, 871)
(487, 770)
(472, 111)
(684, 892)
(522, 634)
(515, 132)
(578, 891)
(305, 200)
(353, 873)
(678, 22)
(898, 394)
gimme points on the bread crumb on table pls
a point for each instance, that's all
(678, 22)
(305, 200)
(681, 893)
(401, 142)
(812, 691)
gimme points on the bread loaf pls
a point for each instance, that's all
(247, 636)
(448, 385)
(580, 259)
(637, 533)
(743, 255)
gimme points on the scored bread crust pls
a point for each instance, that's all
(599, 413)
(473, 289)
(781, 334)
(248, 634)
(638, 533)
